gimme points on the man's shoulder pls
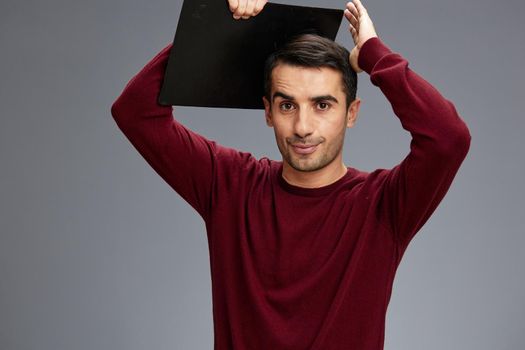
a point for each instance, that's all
(246, 163)
(374, 179)
(241, 157)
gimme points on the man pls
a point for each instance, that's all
(304, 251)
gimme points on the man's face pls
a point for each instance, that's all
(309, 115)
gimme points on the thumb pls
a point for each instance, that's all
(354, 55)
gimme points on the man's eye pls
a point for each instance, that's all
(323, 105)
(286, 106)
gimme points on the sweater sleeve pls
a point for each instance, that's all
(410, 192)
(183, 158)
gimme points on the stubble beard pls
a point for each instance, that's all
(307, 164)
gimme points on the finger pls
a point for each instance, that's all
(347, 14)
(259, 6)
(234, 7)
(352, 21)
(351, 7)
(233, 4)
(355, 34)
(241, 8)
(351, 18)
(360, 8)
(353, 30)
(250, 6)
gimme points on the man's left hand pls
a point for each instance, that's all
(361, 28)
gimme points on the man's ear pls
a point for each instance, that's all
(267, 112)
(353, 111)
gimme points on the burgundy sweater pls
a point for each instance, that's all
(302, 268)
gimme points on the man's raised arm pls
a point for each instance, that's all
(186, 160)
(183, 158)
(412, 190)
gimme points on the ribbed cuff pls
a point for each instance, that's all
(371, 51)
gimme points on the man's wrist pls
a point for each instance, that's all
(371, 51)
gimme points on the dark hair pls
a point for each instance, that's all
(311, 50)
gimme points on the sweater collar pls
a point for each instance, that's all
(310, 192)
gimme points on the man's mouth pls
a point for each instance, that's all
(304, 149)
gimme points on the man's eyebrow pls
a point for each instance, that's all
(283, 95)
(314, 99)
(324, 98)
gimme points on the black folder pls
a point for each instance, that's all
(218, 61)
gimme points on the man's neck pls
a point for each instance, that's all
(314, 179)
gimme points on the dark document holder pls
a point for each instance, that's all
(218, 61)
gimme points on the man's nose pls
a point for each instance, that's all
(303, 125)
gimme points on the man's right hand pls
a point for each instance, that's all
(246, 8)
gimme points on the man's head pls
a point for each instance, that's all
(310, 100)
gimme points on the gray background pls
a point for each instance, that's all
(97, 252)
